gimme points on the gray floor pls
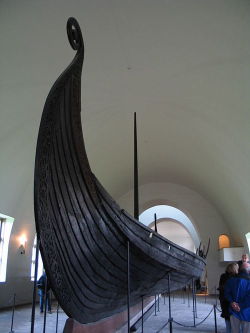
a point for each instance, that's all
(182, 312)
(22, 320)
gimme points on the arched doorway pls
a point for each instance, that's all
(173, 224)
(175, 232)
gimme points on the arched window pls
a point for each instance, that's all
(33, 262)
(6, 223)
(224, 241)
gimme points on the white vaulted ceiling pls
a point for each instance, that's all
(183, 66)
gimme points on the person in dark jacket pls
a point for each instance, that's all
(244, 258)
(42, 290)
(231, 270)
(237, 292)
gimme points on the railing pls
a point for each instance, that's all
(14, 300)
(187, 297)
(184, 296)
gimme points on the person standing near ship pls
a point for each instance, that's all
(43, 292)
(237, 292)
(231, 270)
(244, 258)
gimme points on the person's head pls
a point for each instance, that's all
(245, 258)
(245, 268)
(232, 268)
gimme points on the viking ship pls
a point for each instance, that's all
(83, 234)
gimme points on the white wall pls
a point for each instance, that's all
(206, 219)
(20, 207)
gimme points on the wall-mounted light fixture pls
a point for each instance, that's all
(22, 242)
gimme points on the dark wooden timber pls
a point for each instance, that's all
(155, 223)
(136, 187)
(83, 233)
(169, 306)
(208, 246)
(128, 285)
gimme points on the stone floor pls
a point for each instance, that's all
(181, 306)
(22, 320)
(182, 313)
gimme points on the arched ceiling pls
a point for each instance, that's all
(183, 66)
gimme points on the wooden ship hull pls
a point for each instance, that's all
(83, 233)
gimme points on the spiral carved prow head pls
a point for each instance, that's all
(74, 34)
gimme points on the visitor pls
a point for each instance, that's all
(244, 258)
(237, 292)
(42, 289)
(231, 270)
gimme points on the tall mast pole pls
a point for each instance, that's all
(155, 223)
(136, 191)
